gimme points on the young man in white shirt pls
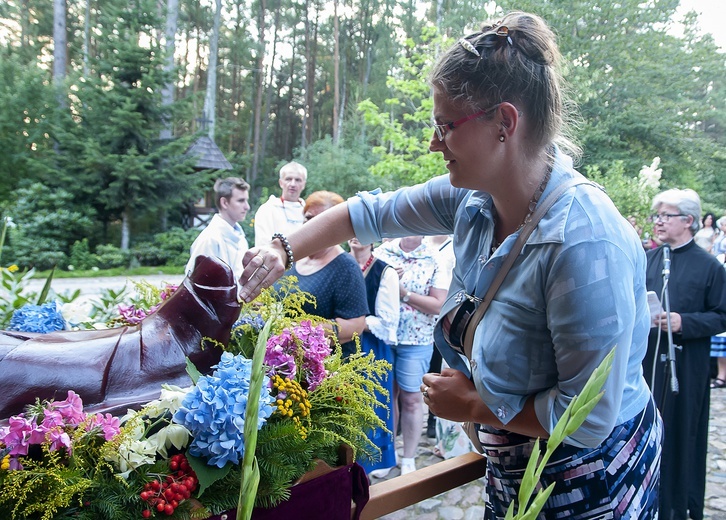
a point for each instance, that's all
(285, 214)
(223, 237)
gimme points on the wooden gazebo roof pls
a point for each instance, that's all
(208, 155)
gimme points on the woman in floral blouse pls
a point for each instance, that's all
(422, 290)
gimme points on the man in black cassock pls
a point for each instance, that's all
(697, 295)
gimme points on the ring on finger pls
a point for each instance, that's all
(426, 394)
(263, 266)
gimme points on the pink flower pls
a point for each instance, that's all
(35, 433)
(130, 314)
(303, 348)
(71, 409)
(168, 291)
(279, 360)
(16, 435)
(52, 418)
(109, 425)
(58, 439)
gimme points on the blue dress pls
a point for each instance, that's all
(381, 350)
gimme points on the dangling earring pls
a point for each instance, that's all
(501, 138)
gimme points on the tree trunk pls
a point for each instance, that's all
(87, 38)
(125, 230)
(167, 92)
(286, 139)
(210, 99)
(336, 72)
(311, 35)
(268, 99)
(60, 44)
(259, 91)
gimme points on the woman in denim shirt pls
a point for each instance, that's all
(576, 290)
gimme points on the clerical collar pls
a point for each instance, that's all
(682, 245)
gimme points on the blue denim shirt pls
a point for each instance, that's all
(576, 290)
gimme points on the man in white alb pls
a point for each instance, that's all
(285, 214)
(223, 237)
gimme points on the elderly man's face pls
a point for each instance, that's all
(292, 184)
(671, 226)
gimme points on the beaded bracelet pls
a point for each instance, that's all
(288, 250)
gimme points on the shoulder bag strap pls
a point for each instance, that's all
(542, 208)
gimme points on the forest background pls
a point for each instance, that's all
(100, 100)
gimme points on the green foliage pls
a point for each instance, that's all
(47, 224)
(401, 130)
(110, 256)
(167, 248)
(115, 158)
(337, 168)
(631, 195)
(50, 483)
(81, 256)
(25, 115)
(643, 93)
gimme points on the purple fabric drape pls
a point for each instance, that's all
(328, 496)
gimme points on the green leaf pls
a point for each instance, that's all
(248, 492)
(250, 477)
(531, 477)
(207, 474)
(46, 287)
(193, 372)
(537, 504)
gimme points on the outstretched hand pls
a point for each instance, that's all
(263, 266)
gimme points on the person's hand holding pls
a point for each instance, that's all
(661, 321)
(451, 395)
(263, 266)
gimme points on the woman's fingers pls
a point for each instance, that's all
(262, 268)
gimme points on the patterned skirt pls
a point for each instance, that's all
(619, 479)
(718, 345)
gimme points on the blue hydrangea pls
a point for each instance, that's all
(38, 318)
(214, 411)
(255, 321)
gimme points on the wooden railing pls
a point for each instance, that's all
(399, 492)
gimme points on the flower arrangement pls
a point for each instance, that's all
(187, 453)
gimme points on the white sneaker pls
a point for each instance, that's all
(381, 472)
(408, 465)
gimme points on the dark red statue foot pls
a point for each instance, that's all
(121, 368)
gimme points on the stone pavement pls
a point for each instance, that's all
(467, 502)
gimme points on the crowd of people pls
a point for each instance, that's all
(581, 283)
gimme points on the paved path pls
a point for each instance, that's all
(93, 286)
(467, 502)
